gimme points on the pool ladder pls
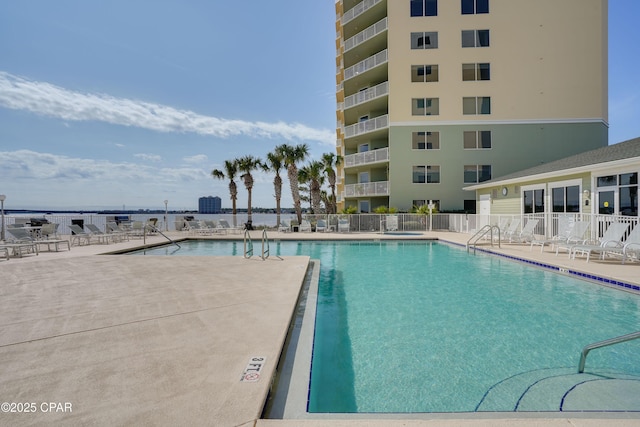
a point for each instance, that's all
(248, 245)
(605, 343)
(487, 229)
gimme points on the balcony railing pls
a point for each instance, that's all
(371, 125)
(366, 95)
(358, 10)
(380, 188)
(366, 65)
(366, 34)
(367, 157)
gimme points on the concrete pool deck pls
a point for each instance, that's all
(166, 340)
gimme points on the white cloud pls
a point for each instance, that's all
(47, 99)
(195, 160)
(148, 157)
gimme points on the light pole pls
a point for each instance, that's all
(2, 199)
(166, 225)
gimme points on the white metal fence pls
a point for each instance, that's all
(459, 223)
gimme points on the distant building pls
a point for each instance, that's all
(209, 205)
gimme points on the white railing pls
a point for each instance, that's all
(366, 34)
(358, 10)
(367, 95)
(366, 65)
(379, 188)
(367, 157)
(455, 222)
(366, 126)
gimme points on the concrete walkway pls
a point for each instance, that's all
(133, 340)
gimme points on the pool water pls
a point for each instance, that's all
(406, 327)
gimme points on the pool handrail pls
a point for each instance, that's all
(157, 230)
(247, 245)
(605, 343)
(480, 234)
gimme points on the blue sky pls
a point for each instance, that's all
(128, 103)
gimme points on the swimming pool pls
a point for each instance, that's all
(409, 327)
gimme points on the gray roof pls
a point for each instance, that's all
(622, 150)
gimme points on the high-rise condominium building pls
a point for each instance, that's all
(436, 95)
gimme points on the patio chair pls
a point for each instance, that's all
(611, 239)
(118, 233)
(511, 230)
(305, 226)
(23, 236)
(224, 224)
(569, 234)
(101, 236)
(391, 223)
(630, 248)
(343, 225)
(526, 234)
(79, 235)
(321, 226)
(283, 227)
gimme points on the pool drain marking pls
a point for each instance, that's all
(251, 373)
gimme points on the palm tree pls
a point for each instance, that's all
(274, 163)
(292, 156)
(331, 161)
(312, 173)
(230, 171)
(247, 164)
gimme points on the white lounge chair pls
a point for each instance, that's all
(611, 239)
(79, 235)
(391, 223)
(101, 236)
(343, 225)
(526, 234)
(24, 237)
(283, 227)
(224, 224)
(305, 226)
(630, 248)
(512, 230)
(321, 226)
(569, 234)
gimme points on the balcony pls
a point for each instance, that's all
(372, 125)
(358, 10)
(380, 188)
(367, 158)
(366, 65)
(366, 95)
(367, 34)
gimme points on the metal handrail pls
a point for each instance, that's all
(481, 233)
(265, 239)
(157, 230)
(248, 253)
(605, 343)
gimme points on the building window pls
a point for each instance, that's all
(425, 106)
(424, 7)
(476, 105)
(566, 199)
(475, 38)
(425, 40)
(424, 73)
(425, 140)
(426, 174)
(470, 7)
(626, 187)
(477, 140)
(533, 201)
(476, 173)
(418, 203)
(473, 72)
